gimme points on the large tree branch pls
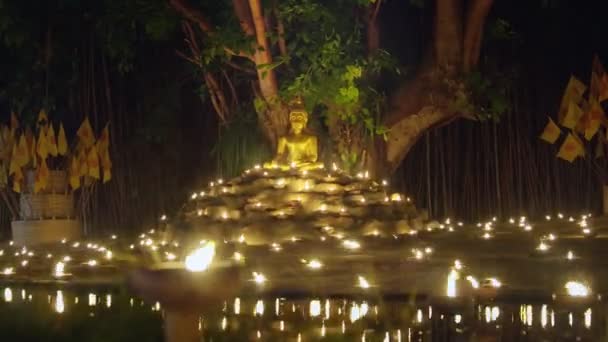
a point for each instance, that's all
(373, 28)
(267, 80)
(421, 104)
(263, 58)
(191, 14)
(404, 134)
(448, 33)
(195, 16)
(280, 30)
(478, 11)
(243, 13)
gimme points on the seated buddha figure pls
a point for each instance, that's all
(297, 149)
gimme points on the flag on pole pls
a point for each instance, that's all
(103, 145)
(43, 119)
(573, 115)
(83, 165)
(62, 142)
(42, 147)
(22, 152)
(85, 133)
(74, 174)
(42, 176)
(570, 149)
(106, 164)
(32, 149)
(551, 132)
(17, 178)
(93, 162)
(595, 117)
(573, 94)
(14, 164)
(51, 140)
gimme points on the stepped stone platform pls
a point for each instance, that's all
(271, 205)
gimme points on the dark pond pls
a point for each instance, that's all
(59, 314)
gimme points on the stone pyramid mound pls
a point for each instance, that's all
(271, 205)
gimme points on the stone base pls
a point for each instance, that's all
(33, 232)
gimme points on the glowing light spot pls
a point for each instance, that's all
(237, 256)
(588, 318)
(351, 244)
(314, 264)
(259, 278)
(451, 285)
(363, 283)
(577, 289)
(315, 308)
(493, 282)
(59, 270)
(259, 308)
(570, 255)
(237, 306)
(200, 259)
(8, 295)
(473, 281)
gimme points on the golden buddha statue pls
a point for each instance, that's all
(297, 149)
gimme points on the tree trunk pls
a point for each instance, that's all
(426, 101)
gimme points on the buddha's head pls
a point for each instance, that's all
(298, 117)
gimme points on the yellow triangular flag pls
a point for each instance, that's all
(43, 173)
(17, 181)
(82, 161)
(551, 132)
(74, 174)
(573, 94)
(106, 164)
(42, 147)
(14, 163)
(22, 152)
(595, 117)
(570, 149)
(62, 142)
(51, 141)
(85, 133)
(573, 115)
(43, 119)
(93, 163)
(104, 138)
(32, 149)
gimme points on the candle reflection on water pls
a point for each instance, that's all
(259, 308)
(237, 306)
(92, 299)
(588, 318)
(8, 295)
(59, 304)
(543, 316)
(315, 308)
